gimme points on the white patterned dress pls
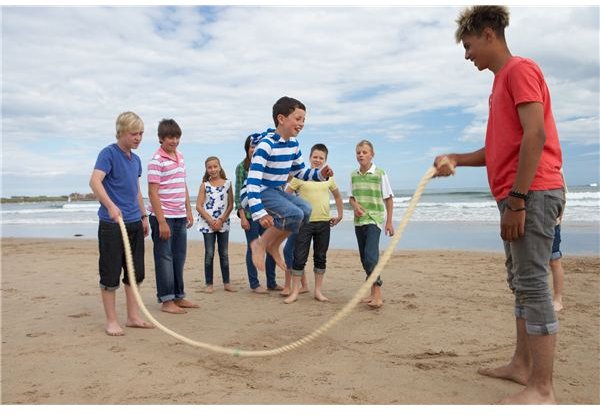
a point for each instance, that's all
(215, 204)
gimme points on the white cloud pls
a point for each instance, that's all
(68, 72)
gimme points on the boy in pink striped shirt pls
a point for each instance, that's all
(170, 217)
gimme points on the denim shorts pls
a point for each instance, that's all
(527, 261)
(112, 253)
(289, 212)
(556, 253)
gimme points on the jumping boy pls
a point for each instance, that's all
(275, 158)
(115, 182)
(523, 159)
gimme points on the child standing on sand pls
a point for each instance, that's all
(252, 229)
(214, 204)
(318, 229)
(116, 183)
(170, 218)
(370, 196)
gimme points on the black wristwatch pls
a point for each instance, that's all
(518, 195)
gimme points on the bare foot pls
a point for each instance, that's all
(260, 290)
(172, 307)
(229, 288)
(139, 323)
(531, 396)
(375, 303)
(304, 290)
(114, 330)
(183, 303)
(509, 372)
(320, 297)
(286, 291)
(258, 254)
(277, 287)
(558, 306)
(277, 257)
(367, 299)
(291, 298)
(208, 289)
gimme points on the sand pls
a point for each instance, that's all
(446, 313)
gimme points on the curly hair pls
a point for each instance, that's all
(473, 20)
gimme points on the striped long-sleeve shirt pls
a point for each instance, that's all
(169, 174)
(273, 161)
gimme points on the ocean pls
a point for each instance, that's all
(456, 219)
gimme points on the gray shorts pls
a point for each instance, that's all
(527, 261)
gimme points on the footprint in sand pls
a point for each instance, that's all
(79, 315)
(36, 334)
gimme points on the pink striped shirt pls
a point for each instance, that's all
(169, 174)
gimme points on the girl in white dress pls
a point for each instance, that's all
(214, 204)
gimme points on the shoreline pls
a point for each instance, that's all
(445, 314)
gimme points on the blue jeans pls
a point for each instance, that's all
(368, 247)
(527, 261)
(222, 239)
(556, 253)
(169, 258)
(288, 250)
(288, 211)
(251, 234)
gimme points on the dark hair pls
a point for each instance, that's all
(285, 106)
(319, 147)
(246, 162)
(473, 20)
(168, 128)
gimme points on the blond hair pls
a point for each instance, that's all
(366, 142)
(128, 122)
(473, 20)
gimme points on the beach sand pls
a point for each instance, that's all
(446, 314)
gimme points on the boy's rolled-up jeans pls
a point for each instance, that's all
(527, 261)
(288, 211)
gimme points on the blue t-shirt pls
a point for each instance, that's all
(121, 182)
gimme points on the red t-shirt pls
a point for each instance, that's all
(519, 81)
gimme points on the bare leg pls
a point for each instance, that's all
(171, 306)
(134, 320)
(318, 285)
(295, 290)
(258, 253)
(112, 326)
(304, 284)
(558, 278)
(287, 285)
(519, 368)
(539, 389)
(274, 248)
(377, 300)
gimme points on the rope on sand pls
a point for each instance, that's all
(351, 304)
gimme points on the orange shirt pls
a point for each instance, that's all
(519, 81)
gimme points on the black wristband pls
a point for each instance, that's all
(518, 195)
(515, 210)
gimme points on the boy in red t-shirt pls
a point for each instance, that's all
(523, 160)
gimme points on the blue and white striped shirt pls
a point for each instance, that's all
(273, 161)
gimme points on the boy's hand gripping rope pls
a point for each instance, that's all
(236, 352)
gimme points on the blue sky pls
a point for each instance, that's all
(393, 75)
